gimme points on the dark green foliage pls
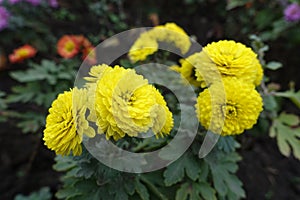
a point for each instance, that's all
(43, 194)
(186, 178)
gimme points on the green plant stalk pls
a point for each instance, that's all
(153, 188)
(295, 101)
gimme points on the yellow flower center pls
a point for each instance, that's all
(69, 46)
(22, 52)
(229, 111)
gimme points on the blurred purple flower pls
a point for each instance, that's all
(53, 3)
(4, 17)
(34, 2)
(292, 12)
(14, 1)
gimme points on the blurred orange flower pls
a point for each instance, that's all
(22, 53)
(68, 46)
(82, 41)
(89, 54)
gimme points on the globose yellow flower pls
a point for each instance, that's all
(188, 70)
(172, 33)
(125, 104)
(66, 123)
(229, 59)
(144, 46)
(148, 42)
(237, 106)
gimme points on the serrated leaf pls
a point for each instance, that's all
(272, 131)
(121, 195)
(31, 75)
(227, 144)
(141, 190)
(186, 163)
(195, 191)
(204, 171)
(183, 192)
(274, 65)
(270, 103)
(22, 94)
(63, 163)
(287, 137)
(289, 119)
(235, 3)
(130, 187)
(222, 167)
(67, 193)
(43, 194)
(206, 191)
(292, 95)
(30, 122)
(47, 71)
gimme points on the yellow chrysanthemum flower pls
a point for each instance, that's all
(172, 33)
(230, 59)
(163, 118)
(66, 123)
(125, 104)
(239, 111)
(188, 71)
(147, 43)
(144, 46)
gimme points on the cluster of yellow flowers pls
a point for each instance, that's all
(148, 42)
(229, 71)
(120, 102)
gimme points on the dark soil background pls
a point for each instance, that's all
(26, 164)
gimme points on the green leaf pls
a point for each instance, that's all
(31, 122)
(195, 191)
(2, 101)
(43, 194)
(23, 94)
(289, 119)
(274, 65)
(121, 195)
(263, 18)
(183, 192)
(270, 103)
(206, 191)
(63, 163)
(130, 188)
(235, 3)
(204, 171)
(46, 71)
(141, 190)
(67, 193)
(187, 163)
(287, 137)
(292, 95)
(227, 144)
(222, 167)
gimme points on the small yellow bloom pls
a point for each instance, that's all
(66, 123)
(229, 59)
(144, 46)
(172, 33)
(237, 106)
(148, 42)
(188, 71)
(124, 103)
